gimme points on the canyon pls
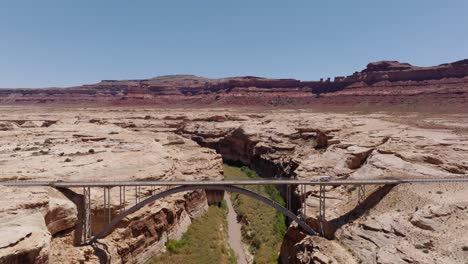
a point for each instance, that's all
(40, 224)
(390, 120)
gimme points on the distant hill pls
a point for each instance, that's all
(382, 84)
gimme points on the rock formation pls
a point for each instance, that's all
(382, 84)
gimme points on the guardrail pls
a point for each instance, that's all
(109, 184)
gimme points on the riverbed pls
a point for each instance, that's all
(235, 234)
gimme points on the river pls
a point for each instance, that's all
(235, 235)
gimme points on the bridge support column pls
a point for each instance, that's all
(303, 195)
(87, 231)
(137, 194)
(322, 208)
(107, 205)
(361, 193)
(122, 199)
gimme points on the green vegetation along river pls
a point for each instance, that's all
(206, 241)
(263, 227)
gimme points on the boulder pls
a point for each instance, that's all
(427, 218)
(423, 223)
(24, 239)
(357, 157)
(62, 213)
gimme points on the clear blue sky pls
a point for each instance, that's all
(64, 42)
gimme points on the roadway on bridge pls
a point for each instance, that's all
(314, 181)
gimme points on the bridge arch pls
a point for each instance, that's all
(179, 189)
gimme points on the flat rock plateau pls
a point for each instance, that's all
(387, 85)
(182, 127)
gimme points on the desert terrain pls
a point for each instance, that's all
(389, 120)
(396, 224)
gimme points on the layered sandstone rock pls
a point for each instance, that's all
(24, 235)
(62, 213)
(382, 84)
(44, 225)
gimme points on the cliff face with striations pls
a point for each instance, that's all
(384, 83)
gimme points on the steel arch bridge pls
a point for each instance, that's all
(224, 185)
(109, 227)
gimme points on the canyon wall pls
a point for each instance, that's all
(392, 224)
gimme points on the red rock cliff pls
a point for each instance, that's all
(384, 83)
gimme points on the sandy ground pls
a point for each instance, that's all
(234, 234)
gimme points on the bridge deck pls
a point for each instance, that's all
(65, 184)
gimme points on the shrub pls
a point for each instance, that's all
(223, 205)
(91, 151)
(250, 173)
(174, 246)
(280, 225)
(275, 195)
(465, 248)
(240, 213)
(68, 160)
(232, 257)
(256, 243)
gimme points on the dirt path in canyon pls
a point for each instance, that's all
(234, 234)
